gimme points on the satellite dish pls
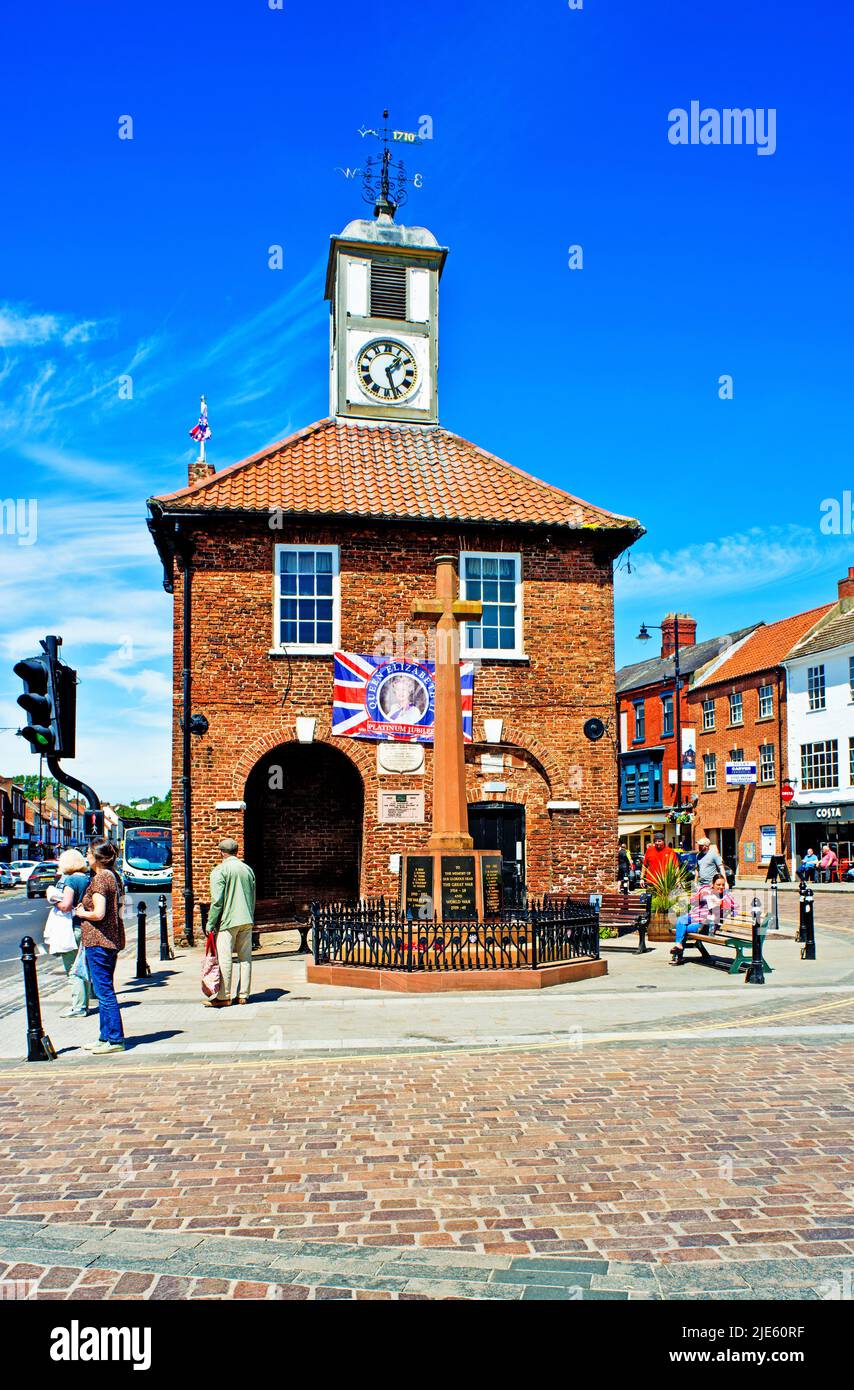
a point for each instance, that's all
(594, 729)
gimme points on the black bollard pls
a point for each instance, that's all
(802, 891)
(39, 1046)
(808, 951)
(775, 904)
(755, 974)
(166, 952)
(143, 969)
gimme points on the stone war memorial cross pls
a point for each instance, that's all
(468, 880)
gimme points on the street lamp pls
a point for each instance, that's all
(645, 636)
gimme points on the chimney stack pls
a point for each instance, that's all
(687, 632)
(846, 590)
(199, 469)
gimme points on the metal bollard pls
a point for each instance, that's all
(775, 904)
(143, 969)
(808, 951)
(39, 1046)
(166, 952)
(802, 889)
(755, 974)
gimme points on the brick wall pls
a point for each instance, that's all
(743, 810)
(251, 698)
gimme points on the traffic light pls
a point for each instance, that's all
(50, 699)
(93, 824)
(38, 702)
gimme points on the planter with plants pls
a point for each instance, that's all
(670, 890)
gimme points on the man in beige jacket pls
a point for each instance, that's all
(231, 918)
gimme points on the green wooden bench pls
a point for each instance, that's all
(737, 934)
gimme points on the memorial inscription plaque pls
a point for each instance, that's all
(459, 889)
(418, 889)
(491, 885)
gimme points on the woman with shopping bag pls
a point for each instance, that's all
(62, 934)
(100, 913)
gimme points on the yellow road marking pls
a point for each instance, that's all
(770, 1018)
(314, 1059)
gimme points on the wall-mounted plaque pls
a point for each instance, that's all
(418, 888)
(491, 884)
(400, 808)
(490, 763)
(459, 898)
(400, 757)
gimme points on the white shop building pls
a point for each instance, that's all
(820, 677)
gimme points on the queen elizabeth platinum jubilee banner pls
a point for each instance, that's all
(376, 697)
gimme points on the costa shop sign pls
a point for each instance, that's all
(810, 815)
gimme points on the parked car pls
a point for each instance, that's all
(7, 878)
(22, 868)
(43, 876)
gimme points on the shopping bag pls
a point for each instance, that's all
(59, 932)
(211, 974)
(80, 968)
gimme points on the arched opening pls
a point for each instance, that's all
(303, 825)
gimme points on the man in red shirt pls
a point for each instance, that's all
(657, 856)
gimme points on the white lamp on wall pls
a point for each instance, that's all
(305, 727)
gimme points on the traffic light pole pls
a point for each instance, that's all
(92, 799)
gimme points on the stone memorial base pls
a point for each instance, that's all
(442, 981)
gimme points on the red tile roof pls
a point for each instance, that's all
(388, 471)
(765, 648)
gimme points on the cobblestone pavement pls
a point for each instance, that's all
(720, 1171)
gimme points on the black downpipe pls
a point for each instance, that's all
(184, 546)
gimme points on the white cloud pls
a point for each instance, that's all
(747, 560)
(19, 329)
(151, 686)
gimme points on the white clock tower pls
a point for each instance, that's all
(383, 283)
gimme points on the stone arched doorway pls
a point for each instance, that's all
(303, 825)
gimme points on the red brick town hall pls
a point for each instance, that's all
(293, 573)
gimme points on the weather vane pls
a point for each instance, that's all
(384, 180)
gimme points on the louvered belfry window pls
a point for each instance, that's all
(388, 291)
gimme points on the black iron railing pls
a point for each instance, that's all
(377, 934)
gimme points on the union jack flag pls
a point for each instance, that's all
(378, 697)
(202, 430)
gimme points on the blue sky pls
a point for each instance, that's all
(148, 257)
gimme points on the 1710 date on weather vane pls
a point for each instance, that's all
(384, 180)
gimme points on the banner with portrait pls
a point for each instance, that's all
(378, 698)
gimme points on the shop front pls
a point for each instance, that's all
(814, 827)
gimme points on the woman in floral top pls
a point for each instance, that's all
(100, 914)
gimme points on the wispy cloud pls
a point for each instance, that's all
(756, 558)
(21, 328)
(92, 574)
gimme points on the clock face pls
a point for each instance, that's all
(387, 370)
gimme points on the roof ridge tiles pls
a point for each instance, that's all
(406, 470)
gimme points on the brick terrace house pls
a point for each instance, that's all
(646, 719)
(17, 830)
(319, 544)
(739, 709)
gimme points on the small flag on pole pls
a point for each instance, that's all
(202, 430)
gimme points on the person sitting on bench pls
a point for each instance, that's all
(709, 904)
